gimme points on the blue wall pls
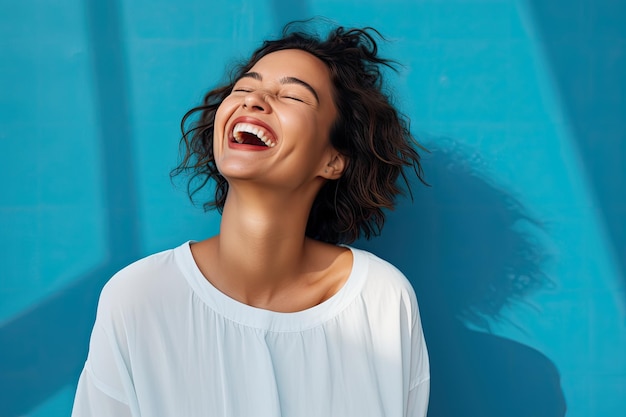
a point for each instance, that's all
(517, 250)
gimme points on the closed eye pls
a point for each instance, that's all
(294, 98)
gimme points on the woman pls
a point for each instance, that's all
(274, 316)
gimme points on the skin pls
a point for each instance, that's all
(261, 256)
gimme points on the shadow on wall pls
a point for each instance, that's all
(585, 45)
(466, 249)
(44, 349)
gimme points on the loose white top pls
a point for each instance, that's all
(168, 343)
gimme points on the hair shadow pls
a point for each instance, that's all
(465, 246)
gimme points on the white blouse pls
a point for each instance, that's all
(168, 343)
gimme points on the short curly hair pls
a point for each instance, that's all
(373, 136)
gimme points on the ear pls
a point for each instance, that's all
(335, 167)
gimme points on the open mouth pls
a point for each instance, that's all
(249, 134)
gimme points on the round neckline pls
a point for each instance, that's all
(270, 320)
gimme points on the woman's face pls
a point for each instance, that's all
(274, 127)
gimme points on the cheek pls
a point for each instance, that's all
(300, 123)
(219, 125)
(222, 114)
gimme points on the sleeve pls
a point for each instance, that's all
(105, 386)
(419, 390)
(417, 404)
(92, 401)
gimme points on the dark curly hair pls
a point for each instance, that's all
(369, 132)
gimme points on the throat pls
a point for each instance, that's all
(250, 139)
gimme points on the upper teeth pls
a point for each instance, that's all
(255, 130)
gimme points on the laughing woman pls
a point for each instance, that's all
(275, 315)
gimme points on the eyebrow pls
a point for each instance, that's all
(284, 80)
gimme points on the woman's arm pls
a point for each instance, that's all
(419, 390)
(105, 387)
(92, 401)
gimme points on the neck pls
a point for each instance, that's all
(261, 246)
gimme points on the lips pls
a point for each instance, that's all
(252, 133)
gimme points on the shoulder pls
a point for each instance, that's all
(144, 281)
(384, 280)
(380, 271)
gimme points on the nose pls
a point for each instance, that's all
(255, 101)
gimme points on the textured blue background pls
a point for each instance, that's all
(517, 251)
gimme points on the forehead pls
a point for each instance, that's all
(294, 63)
